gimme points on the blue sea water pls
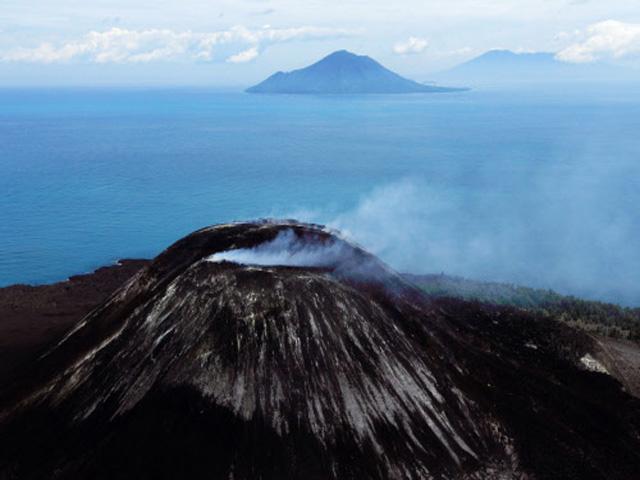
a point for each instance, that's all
(537, 188)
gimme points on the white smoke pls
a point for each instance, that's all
(287, 249)
(567, 233)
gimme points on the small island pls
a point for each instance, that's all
(343, 72)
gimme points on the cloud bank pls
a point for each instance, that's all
(119, 45)
(610, 39)
(244, 56)
(412, 46)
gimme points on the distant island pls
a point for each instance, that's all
(499, 67)
(343, 72)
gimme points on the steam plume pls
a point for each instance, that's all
(287, 249)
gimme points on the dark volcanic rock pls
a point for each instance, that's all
(31, 317)
(203, 369)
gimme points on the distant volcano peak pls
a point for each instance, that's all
(342, 72)
(342, 53)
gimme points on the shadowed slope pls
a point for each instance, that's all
(203, 368)
(322, 359)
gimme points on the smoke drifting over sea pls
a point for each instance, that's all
(560, 234)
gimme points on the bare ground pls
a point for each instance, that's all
(622, 359)
(33, 317)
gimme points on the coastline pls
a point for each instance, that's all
(34, 317)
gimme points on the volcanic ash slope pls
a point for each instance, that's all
(270, 350)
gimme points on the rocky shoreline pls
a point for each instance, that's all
(33, 317)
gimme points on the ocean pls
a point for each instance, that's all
(540, 188)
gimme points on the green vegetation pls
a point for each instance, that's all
(595, 317)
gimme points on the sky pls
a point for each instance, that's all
(239, 42)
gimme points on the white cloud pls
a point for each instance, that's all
(244, 56)
(412, 45)
(118, 45)
(608, 39)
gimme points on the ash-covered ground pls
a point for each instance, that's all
(279, 350)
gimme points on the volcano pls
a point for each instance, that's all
(343, 72)
(280, 350)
